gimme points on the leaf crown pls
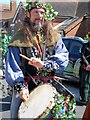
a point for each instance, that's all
(50, 12)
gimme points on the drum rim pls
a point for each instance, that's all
(47, 109)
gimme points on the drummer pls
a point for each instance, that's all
(38, 41)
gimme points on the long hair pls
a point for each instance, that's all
(29, 33)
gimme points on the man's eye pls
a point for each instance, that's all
(42, 13)
(36, 14)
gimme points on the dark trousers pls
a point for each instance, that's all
(84, 84)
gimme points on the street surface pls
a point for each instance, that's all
(5, 99)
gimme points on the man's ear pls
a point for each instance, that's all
(28, 14)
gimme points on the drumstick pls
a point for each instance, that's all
(26, 57)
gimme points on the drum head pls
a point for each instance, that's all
(39, 100)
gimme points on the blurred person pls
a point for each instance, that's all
(85, 72)
(38, 41)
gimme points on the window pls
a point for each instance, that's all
(75, 49)
(67, 43)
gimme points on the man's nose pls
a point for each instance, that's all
(40, 14)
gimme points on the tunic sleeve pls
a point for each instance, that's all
(61, 57)
(13, 70)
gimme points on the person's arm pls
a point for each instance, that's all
(13, 71)
(84, 60)
(60, 59)
(55, 62)
(14, 74)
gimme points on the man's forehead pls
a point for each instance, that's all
(38, 10)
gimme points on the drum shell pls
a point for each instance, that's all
(60, 97)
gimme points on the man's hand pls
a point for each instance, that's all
(88, 68)
(24, 94)
(36, 62)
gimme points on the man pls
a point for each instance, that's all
(85, 72)
(38, 41)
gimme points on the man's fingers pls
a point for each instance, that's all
(24, 94)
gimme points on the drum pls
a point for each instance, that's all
(46, 102)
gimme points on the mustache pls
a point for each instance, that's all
(39, 19)
(33, 26)
(38, 24)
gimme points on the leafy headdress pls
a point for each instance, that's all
(50, 12)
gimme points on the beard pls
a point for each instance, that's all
(37, 26)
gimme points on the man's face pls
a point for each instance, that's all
(37, 17)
